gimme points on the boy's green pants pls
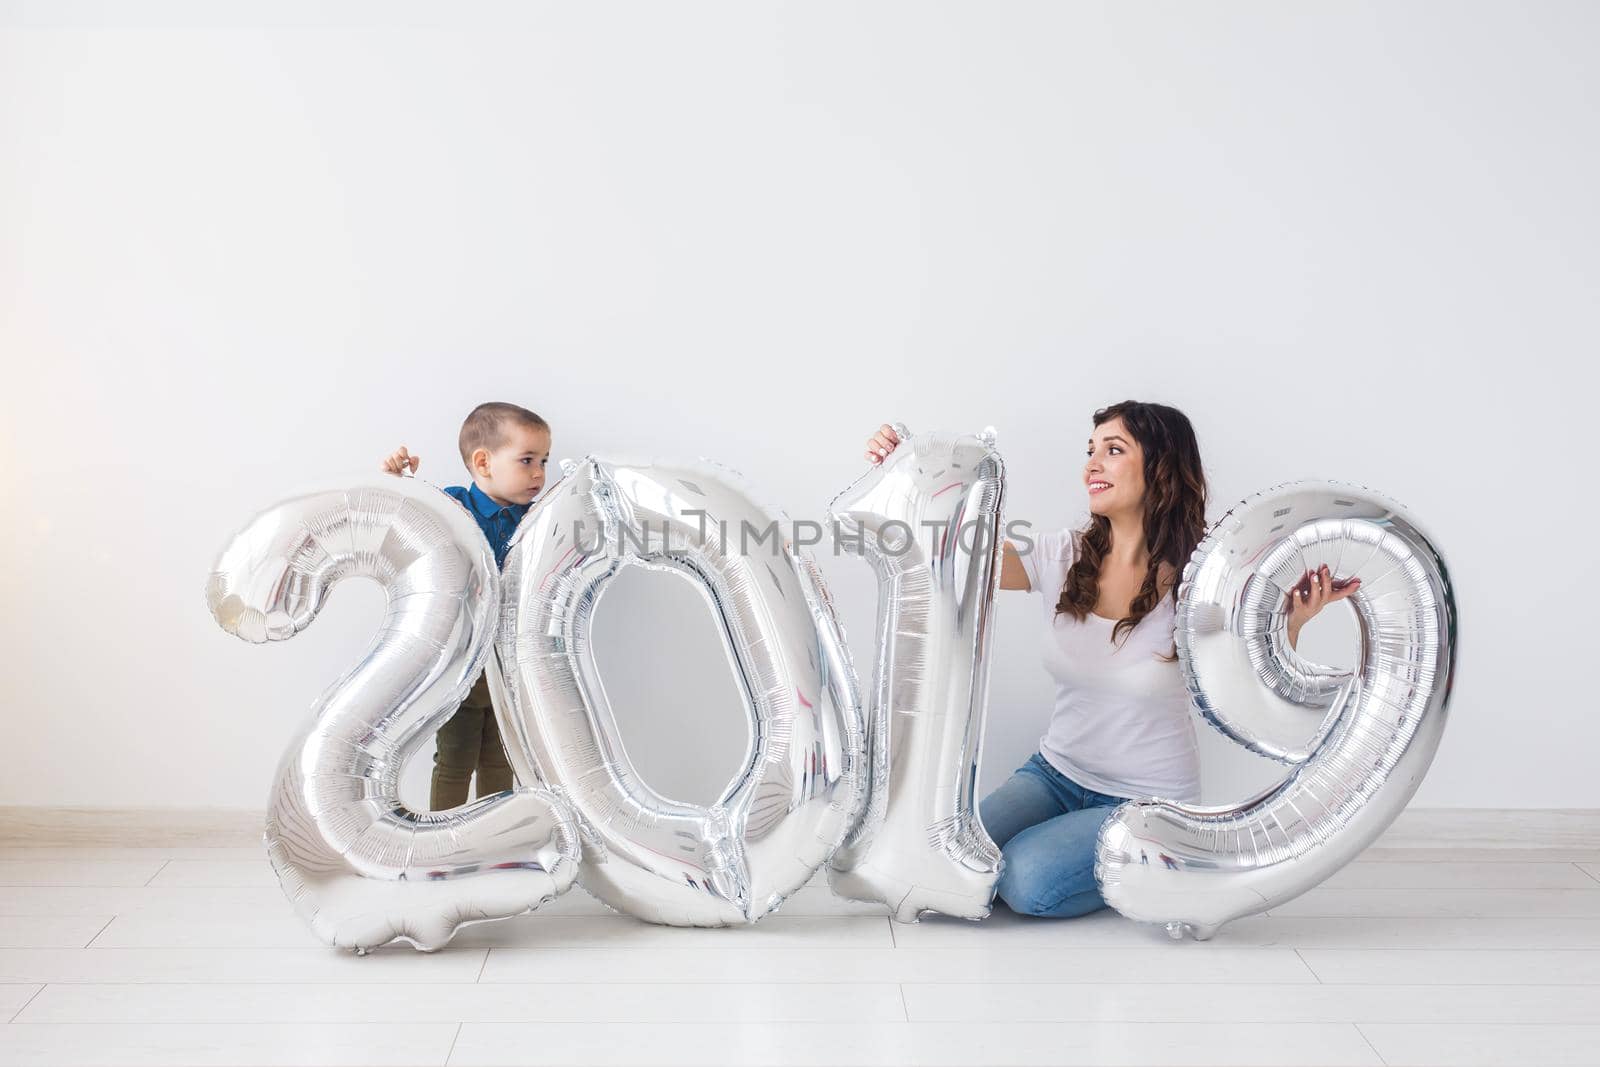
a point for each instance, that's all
(469, 741)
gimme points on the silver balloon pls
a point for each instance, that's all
(801, 787)
(929, 520)
(358, 866)
(1359, 741)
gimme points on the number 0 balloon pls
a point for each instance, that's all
(801, 786)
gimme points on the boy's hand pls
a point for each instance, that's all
(399, 461)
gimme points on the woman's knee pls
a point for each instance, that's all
(1062, 896)
(1028, 881)
(1049, 869)
(1018, 893)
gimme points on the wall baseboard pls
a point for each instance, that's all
(131, 827)
(1494, 828)
(241, 827)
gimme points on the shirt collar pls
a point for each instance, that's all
(484, 505)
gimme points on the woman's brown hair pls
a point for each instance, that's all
(1174, 512)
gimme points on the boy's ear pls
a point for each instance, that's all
(480, 461)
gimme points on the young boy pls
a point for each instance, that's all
(505, 448)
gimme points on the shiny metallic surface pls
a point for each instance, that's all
(358, 866)
(1359, 742)
(802, 784)
(921, 847)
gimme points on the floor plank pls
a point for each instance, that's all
(1063, 1002)
(227, 1044)
(1107, 930)
(462, 1002)
(533, 931)
(963, 1044)
(252, 853)
(1504, 854)
(1412, 932)
(394, 964)
(68, 872)
(100, 900)
(50, 931)
(1182, 963)
(13, 997)
(1454, 967)
(1464, 903)
(1485, 1045)
(217, 874)
(1401, 874)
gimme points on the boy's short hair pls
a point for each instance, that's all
(486, 427)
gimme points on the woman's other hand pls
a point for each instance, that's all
(880, 444)
(1315, 591)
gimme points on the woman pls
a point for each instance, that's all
(1121, 726)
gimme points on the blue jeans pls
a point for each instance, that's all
(1046, 826)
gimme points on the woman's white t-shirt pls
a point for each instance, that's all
(1121, 723)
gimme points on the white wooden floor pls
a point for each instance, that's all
(179, 955)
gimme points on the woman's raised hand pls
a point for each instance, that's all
(1315, 591)
(880, 444)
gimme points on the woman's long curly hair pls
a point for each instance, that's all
(1174, 512)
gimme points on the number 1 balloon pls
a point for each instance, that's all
(1359, 742)
(358, 866)
(929, 518)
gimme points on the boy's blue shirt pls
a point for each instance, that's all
(497, 522)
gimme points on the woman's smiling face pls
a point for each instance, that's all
(1113, 473)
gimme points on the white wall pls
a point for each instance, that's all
(1352, 240)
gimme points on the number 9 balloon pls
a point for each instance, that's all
(1359, 742)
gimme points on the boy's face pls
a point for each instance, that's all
(514, 472)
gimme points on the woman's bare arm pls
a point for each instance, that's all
(1012, 574)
